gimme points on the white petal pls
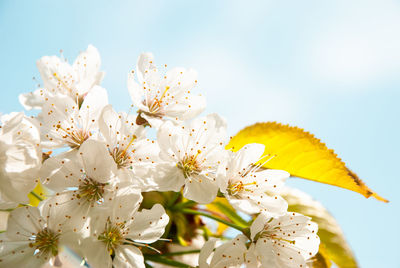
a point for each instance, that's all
(251, 257)
(244, 205)
(109, 123)
(206, 251)
(201, 190)
(23, 256)
(86, 67)
(96, 253)
(135, 91)
(166, 176)
(23, 222)
(92, 106)
(258, 225)
(149, 225)
(230, 254)
(57, 75)
(127, 256)
(272, 180)
(20, 159)
(247, 155)
(32, 100)
(97, 162)
(145, 62)
(197, 106)
(58, 173)
(123, 207)
(266, 255)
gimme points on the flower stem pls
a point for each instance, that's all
(180, 206)
(177, 253)
(159, 259)
(174, 198)
(230, 224)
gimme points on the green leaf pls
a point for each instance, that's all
(332, 238)
(181, 226)
(222, 205)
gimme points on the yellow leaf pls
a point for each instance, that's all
(321, 259)
(222, 208)
(37, 194)
(301, 154)
(334, 246)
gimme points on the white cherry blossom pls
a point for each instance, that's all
(284, 241)
(64, 123)
(34, 238)
(59, 77)
(160, 96)
(79, 184)
(191, 154)
(229, 254)
(20, 159)
(126, 142)
(119, 229)
(250, 188)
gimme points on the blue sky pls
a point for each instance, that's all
(330, 67)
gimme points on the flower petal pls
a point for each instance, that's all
(149, 225)
(128, 256)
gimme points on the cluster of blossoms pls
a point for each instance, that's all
(103, 176)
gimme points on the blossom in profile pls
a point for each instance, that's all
(284, 241)
(163, 96)
(59, 77)
(20, 159)
(287, 241)
(229, 254)
(249, 187)
(65, 123)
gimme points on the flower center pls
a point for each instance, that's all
(155, 106)
(112, 235)
(190, 166)
(91, 190)
(46, 242)
(122, 157)
(74, 137)
(235, 188)
(272, 234)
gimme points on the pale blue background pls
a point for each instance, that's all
(330, 67)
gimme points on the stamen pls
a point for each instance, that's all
(122, 158)
(165, 91)
(62, 82)
(112, 235)
(46, 242)
(129, 144)
(91, 190)
(237, 187)
(75, 137)
(190, 165)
